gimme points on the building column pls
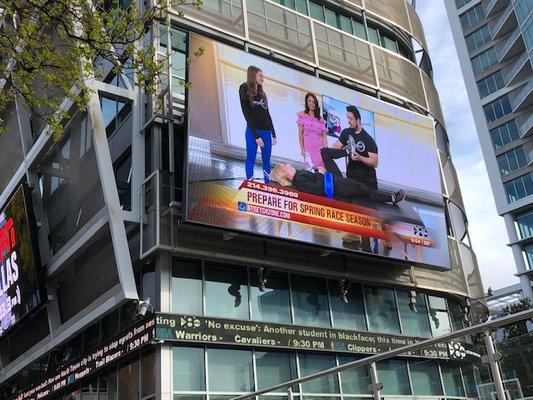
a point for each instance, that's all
(521, 267)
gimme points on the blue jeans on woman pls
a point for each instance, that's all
(251, 152)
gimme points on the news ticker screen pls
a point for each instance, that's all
(295, 160)
(21, 290)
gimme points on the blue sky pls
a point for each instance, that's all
(487, 229)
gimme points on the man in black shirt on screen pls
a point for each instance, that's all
(359, 146)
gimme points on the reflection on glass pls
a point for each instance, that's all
(310, 301)
(393, 375)
(148, 374)
(89, 391)
(188, 368)
(438, 313)
(272, 305)
(349, 315)
(354, 380)
(274, 368)
(425, 378)
(226, 291)
(186, 287)
(456, 316)
(230, 370)
(414, 323)
(313, 363)
(107, 386)
(381, 309)
(451, 377)
(471, 379)
(128, 381)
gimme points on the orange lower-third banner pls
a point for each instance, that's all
(309, 209)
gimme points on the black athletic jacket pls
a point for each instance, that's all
(309, 182)
(256, 114)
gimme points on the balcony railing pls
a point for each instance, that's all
(295, 35)
(493, 6)
(510, 46)
(523, 97)
(525, 124)
(505, 23)
(518, 70)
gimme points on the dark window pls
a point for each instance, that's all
(511, 160)
(484, 61)
(472, 16)
(478, 38)
(226, 291)
(122, 169)
(460, 3)
(490, 84)
(381, 309)
(524, 222)
(497, 109)
(519, 188)
(309, 296)
(504, 134)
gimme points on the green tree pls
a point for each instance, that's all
(47, 46)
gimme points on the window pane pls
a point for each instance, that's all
(354, 380)
(274, 368)
(226, 291)
(310, 301)
(230, 370)
(186, 287)
(440, 322)
(122, 168)
(471, 379)
(148, 374)
(316, 11)
(359, 29)
(345, 24)
(188, 369)
(381, 309)
(312, 363)
(425, 378)
(128, 381)
(349, 315)
(451, 377)
(272, 305)
(373, 35)
(301, 6)
(393, 375)
(456, 315)
(331, 17)
(414, 323)
(108, 384)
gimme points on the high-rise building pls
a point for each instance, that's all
(494, 41)
(149, 252)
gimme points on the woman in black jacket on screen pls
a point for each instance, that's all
(260, 129)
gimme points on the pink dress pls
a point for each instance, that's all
(312, 136)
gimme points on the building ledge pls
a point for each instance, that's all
(518, 70)
(527, 272)
(510, 46)
(493, 6)
(504, 23)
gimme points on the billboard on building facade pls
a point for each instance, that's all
(279, 152)
(21, 290)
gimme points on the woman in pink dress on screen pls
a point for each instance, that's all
(312, 132)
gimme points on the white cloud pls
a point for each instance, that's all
(486, 227)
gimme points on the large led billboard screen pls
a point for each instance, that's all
(21, 290)
(279, 152)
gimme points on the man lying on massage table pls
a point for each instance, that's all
(325, 184)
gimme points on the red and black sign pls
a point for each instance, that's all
(21, 283)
